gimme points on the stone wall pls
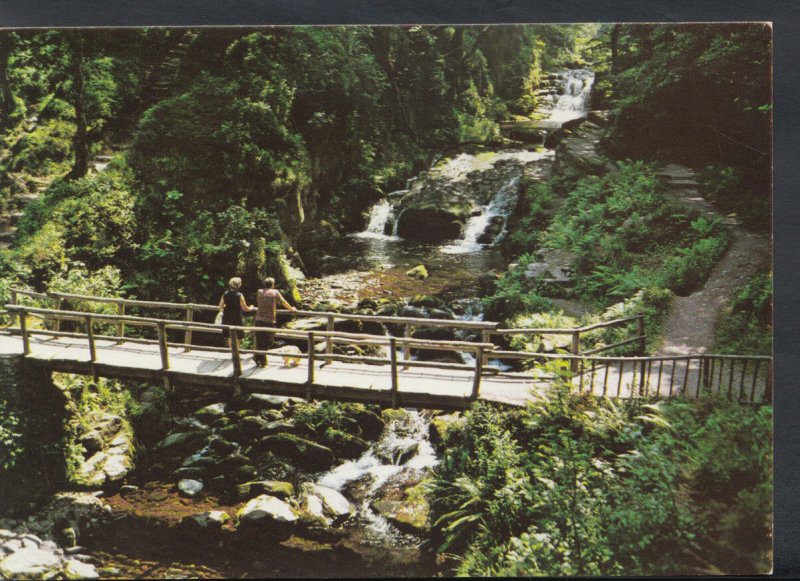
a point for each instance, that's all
(29, 393)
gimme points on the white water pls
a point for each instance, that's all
(500, 205)
(374, 467)
(379, 215)
(573, 102)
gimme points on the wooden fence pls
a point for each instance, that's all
(747, 378)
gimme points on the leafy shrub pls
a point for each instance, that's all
(10, 437)
(747, 328)
(586, 486)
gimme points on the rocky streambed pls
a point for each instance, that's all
(252, 486)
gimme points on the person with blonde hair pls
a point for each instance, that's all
(232, 305)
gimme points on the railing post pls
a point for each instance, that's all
(486, 337)
(23, 328)
(476, 382)
(187, 336)
(641, 335)
(406, 346)
(59, 307)
(311, 355)
(162, 345)
(576, 347)
(12, 300)
(768, 386)
(237, 361)
(121, 324)
(393, 361)
(329, 344)
(90, 335)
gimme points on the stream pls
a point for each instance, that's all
(374, 263)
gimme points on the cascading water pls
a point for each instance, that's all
(573, 100)
(499, 207)
(403, 446)
(380, 215)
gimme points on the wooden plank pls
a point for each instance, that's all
(755, 380)
(741, 380)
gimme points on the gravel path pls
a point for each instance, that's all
(692, 321)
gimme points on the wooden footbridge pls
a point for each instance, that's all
(100, 336)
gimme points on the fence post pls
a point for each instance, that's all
(23, 328)
(13, 301)
(90, 335)
(393, 360)
(329, 344)
(406, 346)
(642, 378)
(768, 387)
(59, 307)
(121, 324)
(162, 345)
(642, 336)
(237, 361)
(576, 347)
(476, 382)
(486, 337)
(311, 355)
(187, 336)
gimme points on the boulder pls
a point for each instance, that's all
(29, 563)
(304, 453)
(181, 442)
(431, 224)
(278, 489)
(212, 519)
(370, 423)
(408, 516)
(268, 513)
(210, 413)
(418, 271)
(190, 488)
(426, 301)
(264, 401)
(76, 569)
(335, 506)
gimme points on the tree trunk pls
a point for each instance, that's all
(80, 141)
(7, 106)
(615, 48)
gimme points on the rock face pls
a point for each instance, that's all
(26, 556)
(441, 201)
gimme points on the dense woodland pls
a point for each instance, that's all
(245, 151)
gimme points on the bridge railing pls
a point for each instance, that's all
(487, 330)
(576, 333)
(746, 378)
(311, 339)
(59, 300)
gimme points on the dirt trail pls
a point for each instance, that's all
(692, 320)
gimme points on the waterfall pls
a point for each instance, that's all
(401, 437)
(380, 215)
(573, 102)
(500, 206)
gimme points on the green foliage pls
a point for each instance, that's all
(11, 446)
(747, 328)
(583, 486)
(700, 94)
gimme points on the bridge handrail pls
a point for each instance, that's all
(331, 337)
(205, 307)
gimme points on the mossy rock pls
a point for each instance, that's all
(276, 488)
(426, 301)
(394, 415)
(305, 453)
(419, 272)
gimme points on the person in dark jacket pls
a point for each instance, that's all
(232, 305)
